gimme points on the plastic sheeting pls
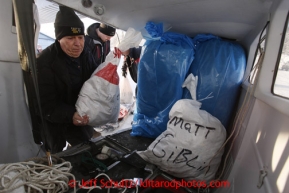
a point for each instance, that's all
(162, 70)
(220, 66)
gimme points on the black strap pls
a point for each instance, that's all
(31, 99)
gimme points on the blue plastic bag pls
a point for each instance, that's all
(161, 72)
(220, 66)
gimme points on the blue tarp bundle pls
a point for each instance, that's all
(166, 61)
(220, 66)
(161, 71)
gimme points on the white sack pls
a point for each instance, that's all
(99, 96)
(191, 140)
(126, 94)
(131, 39)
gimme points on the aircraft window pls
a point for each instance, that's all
(260, 49)
(281, 81)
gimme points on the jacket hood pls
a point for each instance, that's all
(91, 31)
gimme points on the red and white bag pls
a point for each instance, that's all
(99, 96)
(126, 94)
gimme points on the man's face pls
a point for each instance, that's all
(72, 45)
(103, 37)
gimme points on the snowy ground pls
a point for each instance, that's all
(281, 86)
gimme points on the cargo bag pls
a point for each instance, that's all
(99, 96)
(192, 146)
(162, 69)
(220, 66)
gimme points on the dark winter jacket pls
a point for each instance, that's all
(131, 62)
(57, 95)
(98, 48)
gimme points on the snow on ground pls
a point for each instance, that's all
(281, 86)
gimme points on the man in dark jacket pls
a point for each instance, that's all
(98, 40)
(63, 67)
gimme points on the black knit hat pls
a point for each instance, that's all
(67, 23)
(107, 30)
